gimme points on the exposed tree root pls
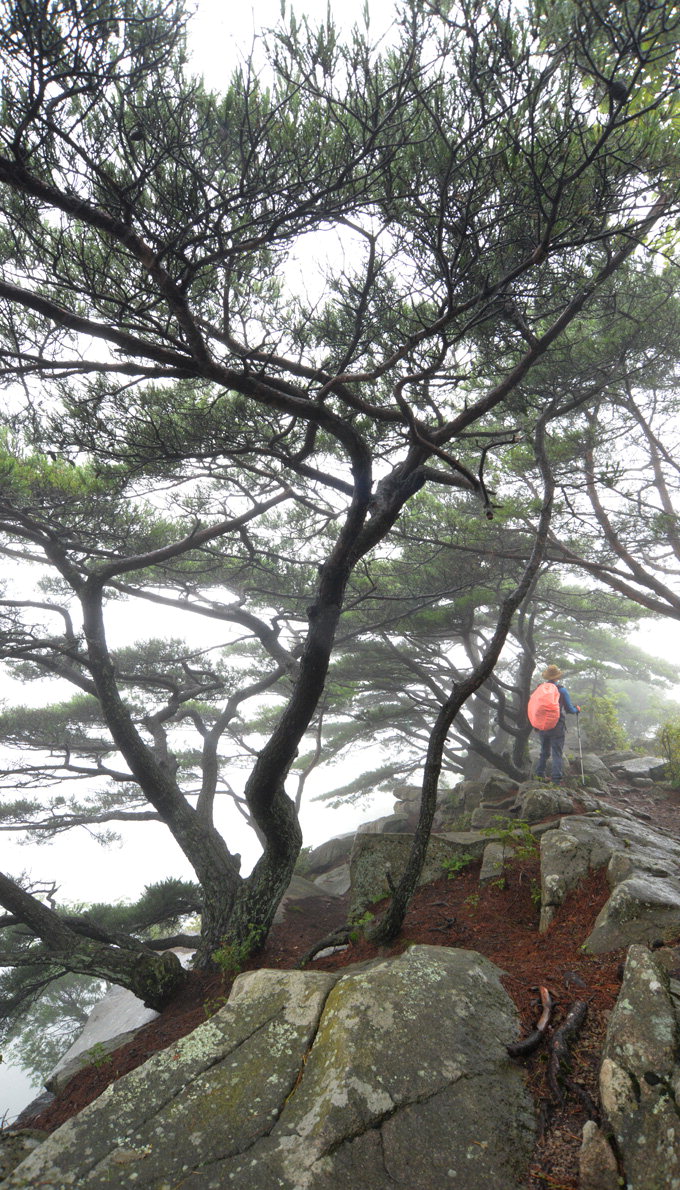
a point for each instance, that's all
(527, 1046)
(335, 938)
(563, 1038)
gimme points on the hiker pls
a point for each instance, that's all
(548, 708)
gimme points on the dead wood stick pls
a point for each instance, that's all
(563, 1038)
(527, 1046)
(335, 938)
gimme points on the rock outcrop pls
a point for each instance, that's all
(393, 1073)
(643, 866)
(640, 1074)
(377, 858)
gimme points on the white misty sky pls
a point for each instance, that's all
(220, 33)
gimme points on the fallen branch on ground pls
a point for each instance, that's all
(335, 938)
(527, 1046)
(563, 1038)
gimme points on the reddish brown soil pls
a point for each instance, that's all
(499, 922)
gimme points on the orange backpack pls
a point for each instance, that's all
(544, 707)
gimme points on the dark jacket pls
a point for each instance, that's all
(566, 705)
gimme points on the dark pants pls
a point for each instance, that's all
(552, 745)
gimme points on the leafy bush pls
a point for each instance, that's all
(600, 720)
(231, 956)
(456, 863)
(668, 738)
(515, 833)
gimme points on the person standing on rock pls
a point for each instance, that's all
(548, 708)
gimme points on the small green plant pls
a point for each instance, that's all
(97, 1055)
(500, 883)
(473, 900)
(515, 833)
(213, 1004)
(359, 926)
(232, 955)
(601, 723)
(455, 864)
(668, 739)
(535, 892)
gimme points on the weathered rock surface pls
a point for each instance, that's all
(493, 861)
(594, 764)
(391, 1074)
(535, 802)
(592, 770)
(299, 888)
(499, 789)
(598, 1167)
(642, 766)
(391, 824)
(329, 854)
(374, 855)
(641, 909)
(564, 863)
(464, 797)
(15, 1146)
(112, 1022)
(643, 866)
(334, 883)
(640, 1076)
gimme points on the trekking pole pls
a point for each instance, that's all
(578, 733)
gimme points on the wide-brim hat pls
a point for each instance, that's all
(552, 673)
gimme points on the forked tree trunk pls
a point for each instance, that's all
(390, 924)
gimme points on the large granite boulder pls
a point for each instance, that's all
(643, 866)
(598, 1166)
(594, 771)
(374, 856)
(654, 767)
(112, 1022)
(641, 909)
(390, 824)
(334, 883)
(640, 1075)
(328, 855)
(568, 853)
(395, 1073)
(536, 801)
(463, 798)
(593, 764)
(299, 889)
(15, 1146)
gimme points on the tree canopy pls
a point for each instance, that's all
(199, 417)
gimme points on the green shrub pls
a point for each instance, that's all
(515, 833)
(231, 956)
(601, 723)
(97, 1056)
(668, 739)
(359, 926)
(456, 863)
